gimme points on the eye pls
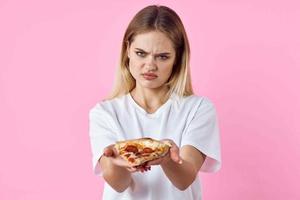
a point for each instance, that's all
(163, 57)
(140, 53)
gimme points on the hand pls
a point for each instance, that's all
(172, 155)
(117, 160)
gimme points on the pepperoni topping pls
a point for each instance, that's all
(137, 153)
(145, 155)
(131, 160)
(131, 148)
(147, 150)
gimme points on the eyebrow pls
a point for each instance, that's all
(163, 53)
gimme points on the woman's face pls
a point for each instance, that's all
(151, 59)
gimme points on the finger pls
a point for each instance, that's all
(114, 150)
(108, 152)
(174, 151)
(143, 168)
(174, 154)
(132, 169)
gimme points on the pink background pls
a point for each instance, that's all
(58, 58)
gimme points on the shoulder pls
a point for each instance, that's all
(195, 102)
(106, 107)
(196, 106)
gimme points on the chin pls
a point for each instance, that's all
(151, 85)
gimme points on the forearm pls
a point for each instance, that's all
(181, 175)
(119, 178)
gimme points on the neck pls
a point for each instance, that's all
(150, 99)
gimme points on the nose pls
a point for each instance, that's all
(150, 63)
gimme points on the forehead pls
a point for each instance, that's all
(153, 41)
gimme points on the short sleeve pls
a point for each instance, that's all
(203, 133)
(101, 134)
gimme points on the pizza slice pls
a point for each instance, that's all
(139, 151)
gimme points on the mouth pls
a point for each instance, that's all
(149, 76)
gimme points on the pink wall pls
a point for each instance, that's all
(57, 59)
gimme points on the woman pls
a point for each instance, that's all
(153, 97)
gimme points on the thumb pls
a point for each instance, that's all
(174, 154)
(108, 152)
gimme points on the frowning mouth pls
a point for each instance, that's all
(149, 76)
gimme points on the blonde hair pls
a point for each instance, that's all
(165, 20)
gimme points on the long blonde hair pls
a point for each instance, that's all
(164, 19)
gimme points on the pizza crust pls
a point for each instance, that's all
(139, 151)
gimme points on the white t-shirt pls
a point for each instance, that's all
(190, 120)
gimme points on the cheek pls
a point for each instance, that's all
(168, 66)
(133, 62)
(166, 73)
(166, 70)
(134, 69)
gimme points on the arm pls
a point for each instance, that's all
(117, 177)
(183, 175)
(116, 171)
(181, 169)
